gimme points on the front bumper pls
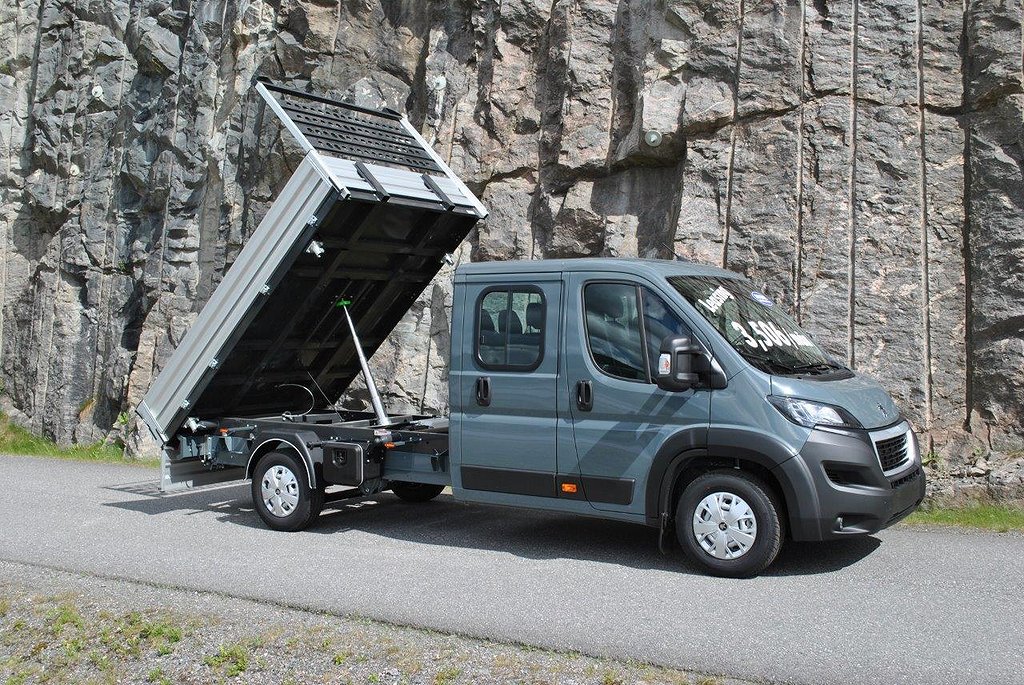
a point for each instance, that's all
(848, 492)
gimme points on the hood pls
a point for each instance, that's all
(860, 395)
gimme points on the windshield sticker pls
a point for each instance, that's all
(716, 299)
(767, 335)
(752, 324)
(747, 337)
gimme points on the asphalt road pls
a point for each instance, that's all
(905, 606)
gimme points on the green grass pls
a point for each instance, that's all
(447, 675)
(130, 634)
(16, 440)
(611, 678)
(233, 659)
(1000, 518)
(158, 677)
(66, 614)
(53, 638)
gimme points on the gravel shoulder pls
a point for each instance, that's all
(65, 627)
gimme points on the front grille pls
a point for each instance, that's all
(903, 480)
(892, 452)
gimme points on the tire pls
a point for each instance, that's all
(293, 505)
(734, 493)
(415, 492)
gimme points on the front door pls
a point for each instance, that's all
(508, 384)
(620, 418)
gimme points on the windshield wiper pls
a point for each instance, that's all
(819, 368)
(768, 363)
(775, 366)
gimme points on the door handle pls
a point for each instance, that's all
(483, 391)
(585, 395)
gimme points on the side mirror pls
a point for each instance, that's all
(675, 364)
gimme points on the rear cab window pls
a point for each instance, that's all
(510, 328)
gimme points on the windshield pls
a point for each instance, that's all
(754, 326)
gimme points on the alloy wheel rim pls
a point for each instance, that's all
(280, 490)
(724, 525)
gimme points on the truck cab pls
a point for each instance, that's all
(669, 394)
(662, 393)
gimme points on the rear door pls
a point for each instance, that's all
(620, 418)
(508, 387)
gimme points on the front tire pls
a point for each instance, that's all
(728, 523)
(415, 492)
(281, 493)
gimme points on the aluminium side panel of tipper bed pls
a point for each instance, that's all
(362, 226)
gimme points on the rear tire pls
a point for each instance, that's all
(281, 493)
(415, 492)
(728, 523)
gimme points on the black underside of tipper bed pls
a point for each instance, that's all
(378, 256)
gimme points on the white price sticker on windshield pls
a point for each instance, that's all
(769, 334)
(716, 299)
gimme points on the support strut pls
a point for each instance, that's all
(371, 386)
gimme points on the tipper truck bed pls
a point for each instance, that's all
(365, 222)
(663, 393)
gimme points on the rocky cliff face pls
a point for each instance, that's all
(861, 161)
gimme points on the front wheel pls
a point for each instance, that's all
(728, 523)
(281, 493)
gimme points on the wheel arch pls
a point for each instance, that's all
(272, 443)
(674, 469)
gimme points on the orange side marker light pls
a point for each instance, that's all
(569, 487)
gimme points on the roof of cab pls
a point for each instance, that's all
(649, 267)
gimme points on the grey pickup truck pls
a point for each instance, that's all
(664, 393)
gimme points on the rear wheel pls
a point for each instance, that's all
(281, 492)
(728, 523)
(415, 492)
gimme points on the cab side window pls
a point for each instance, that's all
(613, 330)
(510, 328)
(623, 343)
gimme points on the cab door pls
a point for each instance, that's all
(508, 387)
(620, 418)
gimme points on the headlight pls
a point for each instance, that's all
(811, 414)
